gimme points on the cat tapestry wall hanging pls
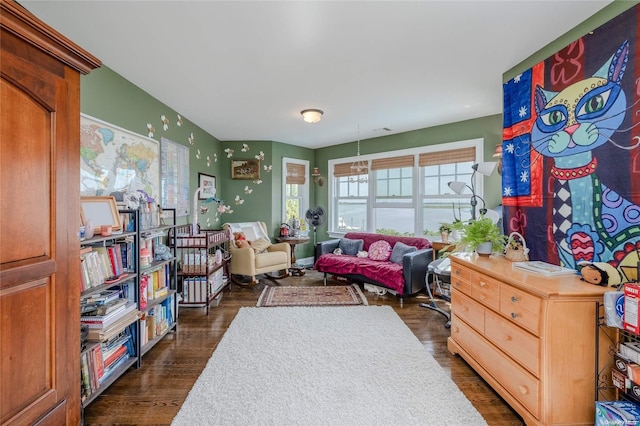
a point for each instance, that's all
(571, 156)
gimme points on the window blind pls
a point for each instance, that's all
(460, 155)
(296, 174)
(344, 169)
(392, 163)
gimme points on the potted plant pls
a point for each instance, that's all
(482, 236)
(444, 229)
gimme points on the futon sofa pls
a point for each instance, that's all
(403, 272)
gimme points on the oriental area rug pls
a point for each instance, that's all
(358, 365)
(339, 295)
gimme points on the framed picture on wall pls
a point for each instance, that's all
(208, 183)
(245, 169)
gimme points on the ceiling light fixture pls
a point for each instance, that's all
(311, 115)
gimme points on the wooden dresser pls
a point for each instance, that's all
(531, 337)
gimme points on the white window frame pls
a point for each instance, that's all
(418, 180)
(304, 196)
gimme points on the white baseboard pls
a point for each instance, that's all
(306, 262)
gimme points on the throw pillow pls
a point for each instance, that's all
(350, 247)
(380, 250)
(399, 250)
(260, 245)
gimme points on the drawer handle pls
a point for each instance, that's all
(514, 299)
(458, 284)
(482, 297)
(482, 284)
(523, 390)
(458, 272)
(508, 338)
(514, 315)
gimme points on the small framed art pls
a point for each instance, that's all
(101, 211)
(208, 184)
(245, 169)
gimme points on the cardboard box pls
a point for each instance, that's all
(631, 350)
(633, 372)
(620, 381)
(619, 413)
(621, 362)
(633, 392)
(631, 301)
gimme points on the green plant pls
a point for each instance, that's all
(457, 225)
(480, 231)
(445, 227)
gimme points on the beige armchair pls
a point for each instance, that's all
(246, 261)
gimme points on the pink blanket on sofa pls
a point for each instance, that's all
(386, 272)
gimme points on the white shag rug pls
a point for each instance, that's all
(306, 366)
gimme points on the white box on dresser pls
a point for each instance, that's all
(531, 337)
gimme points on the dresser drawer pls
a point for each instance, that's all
(460, 285)
(522, 308)
(460, 279)
(518, 382)
(485, 290)
(468, 310)
(460, 272)
(515, 341)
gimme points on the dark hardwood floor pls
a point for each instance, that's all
(153, 394)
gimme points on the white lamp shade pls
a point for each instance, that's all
(485, 168)
(457, 187)
(493, 215)
(311, 115)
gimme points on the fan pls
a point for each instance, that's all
(315, 216)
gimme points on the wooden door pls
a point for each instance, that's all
(39, 224)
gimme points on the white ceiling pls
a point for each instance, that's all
(243, 70)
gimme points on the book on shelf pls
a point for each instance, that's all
(102, 321)
(113, 357)
(86, 390)
(112, 330)
(112, 345)
(97, 365)
(109, 307)
(114, 367)
(101, 297)
(544, 268)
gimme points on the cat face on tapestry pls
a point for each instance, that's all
(584, 115)
(591, 221)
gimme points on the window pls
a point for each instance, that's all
(352, 192)
(404, 192)
(296, 189)
(439, 202)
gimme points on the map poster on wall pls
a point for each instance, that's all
(114, 159)
(174, 164)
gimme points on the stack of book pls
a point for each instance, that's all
(102, 360)
(110, 315)
(99, 264)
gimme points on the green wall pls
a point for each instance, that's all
(264, 202)
(107, 96)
